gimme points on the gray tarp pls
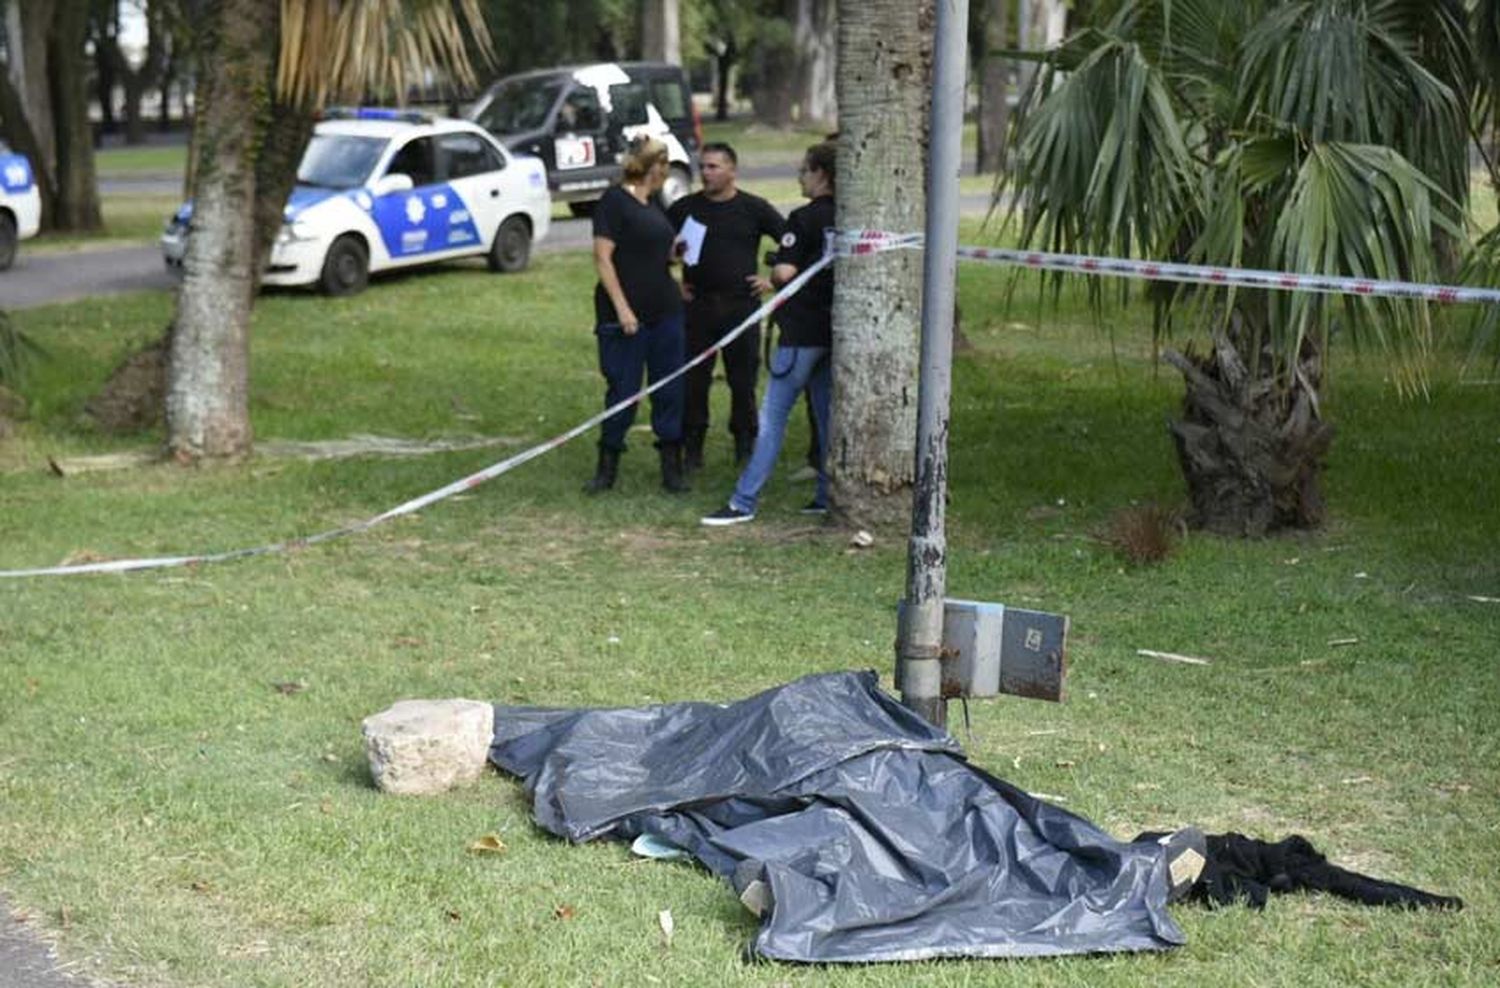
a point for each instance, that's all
(877, 840)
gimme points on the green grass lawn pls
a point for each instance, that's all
(174, 819)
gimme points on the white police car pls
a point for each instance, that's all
(383, 189)
(20, 204)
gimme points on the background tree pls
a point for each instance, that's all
(661, 31)
(264, 68)
(884, 72)
(1327, 136)
(989, 33)
(44, 107)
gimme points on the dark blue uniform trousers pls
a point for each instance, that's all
(657, 349)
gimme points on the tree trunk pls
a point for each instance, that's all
(725, 56)
(994, 85)
(76, 205)
(815, 38)
(286, 138)
(36, 94)
(661, 34)
(208, 411)
(1251, 441)
(16, 129)
(884, 83)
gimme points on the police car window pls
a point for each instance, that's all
(415, 159)
(628, 104)
(467, 154)
(579, 112)
(667, 95)
(520, 105)
(339, 161)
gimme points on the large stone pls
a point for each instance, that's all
(421, 747)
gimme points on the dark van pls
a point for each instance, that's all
(579, 119)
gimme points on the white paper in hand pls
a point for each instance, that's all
(691, 237)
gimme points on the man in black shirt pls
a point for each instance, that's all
(719, 231)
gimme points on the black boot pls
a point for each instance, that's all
(671, 469)
(743, 446)
(692, 452)
(605, 472)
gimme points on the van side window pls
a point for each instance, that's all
(579, 112)
(467, 154)
(667, 95)
(628, 104)
(415, 159)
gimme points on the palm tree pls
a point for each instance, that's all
(1317, 136)
(265, 68)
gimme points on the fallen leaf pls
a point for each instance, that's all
(289, 688)
(454, 915)
(861, 539)
(1357, 780)
(326, 806)
(407, 641)
(563, 912)
(1064, 763)
(667, 926)
(330, 757)
(201, 886)
(488, 844)
(1336, 642)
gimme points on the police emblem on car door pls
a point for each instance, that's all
(417, 222)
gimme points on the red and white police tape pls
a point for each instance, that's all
(859, 242)
(854, 243)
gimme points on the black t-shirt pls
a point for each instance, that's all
(806, 318)
(643, 236)
(731, 243)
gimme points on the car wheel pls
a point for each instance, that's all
(511, 250)
(583, 209)
(678, 184)
(346, 268)
(7, 241)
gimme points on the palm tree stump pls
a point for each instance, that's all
(1251, 446)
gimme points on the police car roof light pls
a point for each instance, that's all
(376, 113)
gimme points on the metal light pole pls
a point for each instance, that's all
(920, 648)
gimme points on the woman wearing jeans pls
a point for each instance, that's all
(801, 357)
(638, 313)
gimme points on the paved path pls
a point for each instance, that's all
(26, 961)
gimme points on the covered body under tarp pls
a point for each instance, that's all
(876, 840)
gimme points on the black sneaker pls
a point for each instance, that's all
(728, 515)
(815, 508)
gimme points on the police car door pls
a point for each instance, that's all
(414, 225)
(474, 170)
(584, 155)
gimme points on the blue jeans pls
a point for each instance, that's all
(656, 349)
(792, 370)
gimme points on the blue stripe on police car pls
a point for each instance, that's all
(15, 173)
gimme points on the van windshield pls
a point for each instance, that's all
(519, 105)
(339, 161)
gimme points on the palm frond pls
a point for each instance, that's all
(1361, 211)
(338, 50)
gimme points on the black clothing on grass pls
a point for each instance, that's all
(642, 236)
(721, 300)
(806, 318)
(1241, 868)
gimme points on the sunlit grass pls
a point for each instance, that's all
(167, 811)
